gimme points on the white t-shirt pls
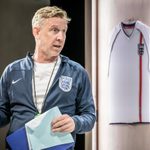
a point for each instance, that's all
(124, 75)
(42, 74)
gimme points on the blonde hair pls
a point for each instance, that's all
(49, 12)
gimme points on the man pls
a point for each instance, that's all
(38, 82)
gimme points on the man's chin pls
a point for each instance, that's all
(54, 55)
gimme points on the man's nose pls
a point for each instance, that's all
(60, 36)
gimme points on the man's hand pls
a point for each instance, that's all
(63, 123)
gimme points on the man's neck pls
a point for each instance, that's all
(43, 59)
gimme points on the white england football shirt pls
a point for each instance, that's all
(128, 75)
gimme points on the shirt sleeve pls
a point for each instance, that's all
(85, 116)
(4, 101)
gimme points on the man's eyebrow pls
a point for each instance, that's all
(52, 26)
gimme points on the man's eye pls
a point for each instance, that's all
(64, 31)
(55, 30)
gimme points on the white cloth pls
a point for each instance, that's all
(43, 71)
(123, 75)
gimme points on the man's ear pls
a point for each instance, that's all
(35, 31)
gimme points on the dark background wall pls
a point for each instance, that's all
(74, 47)
(16, 36)
(15, 28)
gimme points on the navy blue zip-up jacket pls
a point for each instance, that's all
(75, 99)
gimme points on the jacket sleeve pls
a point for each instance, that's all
(4, 101)
(85, 110)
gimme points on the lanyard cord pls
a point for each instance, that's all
(46, 91)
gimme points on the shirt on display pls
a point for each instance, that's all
(128, 73)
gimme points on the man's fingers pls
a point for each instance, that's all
(63, 123)
(64, 128)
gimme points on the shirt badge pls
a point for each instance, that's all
(65, 83)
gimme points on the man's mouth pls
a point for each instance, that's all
(57, 46)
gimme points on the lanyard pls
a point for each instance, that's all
(46, 91)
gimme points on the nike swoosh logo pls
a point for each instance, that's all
(15, 81)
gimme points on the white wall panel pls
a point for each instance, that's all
(118, 137)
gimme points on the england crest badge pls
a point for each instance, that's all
(65, 83)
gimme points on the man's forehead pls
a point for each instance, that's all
(55, 21)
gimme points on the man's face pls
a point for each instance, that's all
(51, 36)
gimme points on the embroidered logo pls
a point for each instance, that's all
(15, 81)
(65, 83)
(140, 49)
